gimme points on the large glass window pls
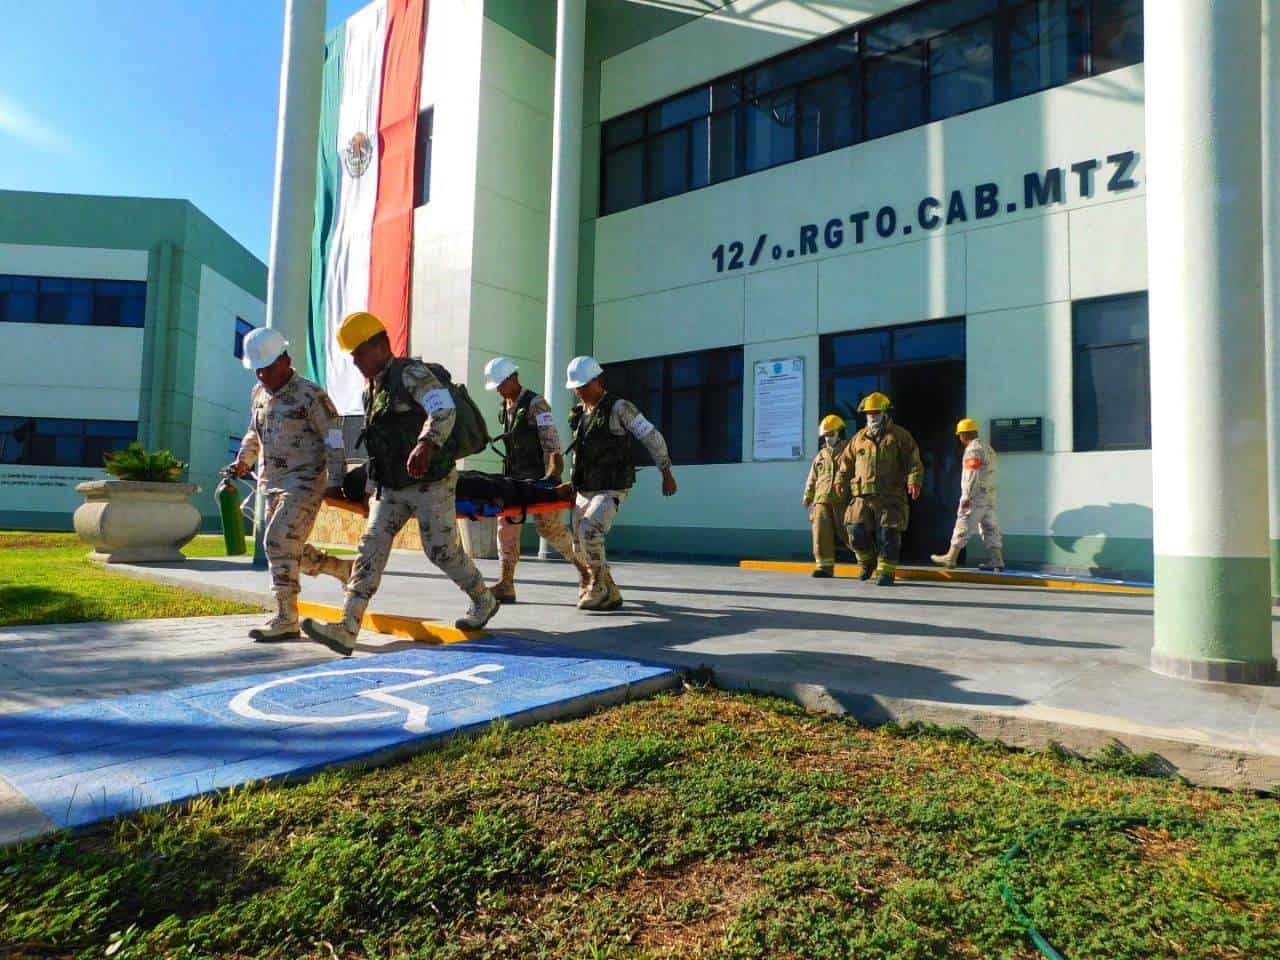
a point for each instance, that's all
(55, 442)
(243, 329)
(103, 303)
(695, 399)
(422, 177)
(1111, 385)
(928, 61)
(857, 363)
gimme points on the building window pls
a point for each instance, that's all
(695, 399)
(926, 62)
(243, 329)
(51, 442)
(422, 176)
(1111, 386)
(99, 303)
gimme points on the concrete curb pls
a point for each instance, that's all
(409, 628)
(1201, 764)
(956, 575)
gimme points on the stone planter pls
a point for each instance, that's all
(130, 521)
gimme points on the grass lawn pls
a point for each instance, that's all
(45, 578)
(694, 825)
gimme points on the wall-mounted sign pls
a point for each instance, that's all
(779, 409)
(1018, 434)
(1039, 188)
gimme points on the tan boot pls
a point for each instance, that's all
(597, 590)
(584, 578)
(613, 596)
(283, 626)
(338, 637)
(504, 591)
(316, 562)
(946, 560)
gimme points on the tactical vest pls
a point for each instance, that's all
(524, 459)
(601, 459)
(392, 422)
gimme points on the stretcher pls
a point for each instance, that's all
(467, 509)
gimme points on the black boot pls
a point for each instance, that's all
(823, 573)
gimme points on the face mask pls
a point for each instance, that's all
(874, 421)
(831, 439)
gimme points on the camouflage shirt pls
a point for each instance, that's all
(296, 433)
(542, 420)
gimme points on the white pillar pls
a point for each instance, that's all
(566, 196)
(1208, 371)
(1271, 263)
(293, 201)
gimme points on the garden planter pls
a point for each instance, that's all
(130, 521)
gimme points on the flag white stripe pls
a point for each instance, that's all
(347, 269)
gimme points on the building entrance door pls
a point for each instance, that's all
(922, 369)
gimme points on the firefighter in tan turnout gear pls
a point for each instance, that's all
(295, 434)
(826, 507)
(977, 511)
(533, 452)
(603, 472)
(410, 415)
(879, 470)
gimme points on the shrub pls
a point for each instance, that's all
(135, 463)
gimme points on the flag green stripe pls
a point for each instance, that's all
(326, 213)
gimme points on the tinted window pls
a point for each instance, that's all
(829, 117)
(962, 70)
(895, 88)
(243, 329)
(1112, 382)
(771, 130)
(1117, 34)
(624, 178)
(422, 178)
(668, 163)
(44, 441)
(694, 399)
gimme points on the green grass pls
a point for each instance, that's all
(697, 825)
(46, 578)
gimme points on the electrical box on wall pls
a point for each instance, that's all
(1018, 434)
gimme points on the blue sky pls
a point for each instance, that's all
(157, 98)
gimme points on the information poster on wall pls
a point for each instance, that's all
(779, 409)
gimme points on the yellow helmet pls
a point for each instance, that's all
(875, 402)
(967, 425)
(830, 424)
(358, 328)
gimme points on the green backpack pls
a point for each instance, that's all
(470, 434)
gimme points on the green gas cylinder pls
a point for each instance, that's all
(229, 502)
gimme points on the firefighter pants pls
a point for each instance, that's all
(828, 533)
(875, 528)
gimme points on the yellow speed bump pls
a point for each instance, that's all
(411, 628)
(940, 575)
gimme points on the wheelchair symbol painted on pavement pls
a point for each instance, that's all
(415, 713)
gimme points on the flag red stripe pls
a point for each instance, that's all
(391, 260)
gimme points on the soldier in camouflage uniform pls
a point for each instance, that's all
(295, 433)
(532, 453)
(409, 415)
(603, 472)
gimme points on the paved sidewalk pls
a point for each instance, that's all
(1024, 665)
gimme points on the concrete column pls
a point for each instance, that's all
(566, 193)
(1208, 370)
(1271, 263)
(293, 201)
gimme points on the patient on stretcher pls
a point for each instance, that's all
(478, 494)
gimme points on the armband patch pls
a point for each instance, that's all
(437, 401)
(545, 420)
(640, 427)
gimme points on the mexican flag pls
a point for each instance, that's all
(362, 244)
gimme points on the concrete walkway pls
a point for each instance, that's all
(1023, 665)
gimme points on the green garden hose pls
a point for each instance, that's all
(1038, 938)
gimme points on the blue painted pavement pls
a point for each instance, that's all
(89, 761)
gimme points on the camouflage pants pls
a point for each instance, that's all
(289, 514)
(977, 518)
(593, 516)
(433, 504)
(549, 526)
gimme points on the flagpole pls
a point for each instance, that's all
(293, 200)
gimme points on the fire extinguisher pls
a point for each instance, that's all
(229, 506)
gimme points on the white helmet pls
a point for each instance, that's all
(262, 347)
(582, 370)
(496, 371)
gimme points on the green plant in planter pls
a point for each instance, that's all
(135, 463)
